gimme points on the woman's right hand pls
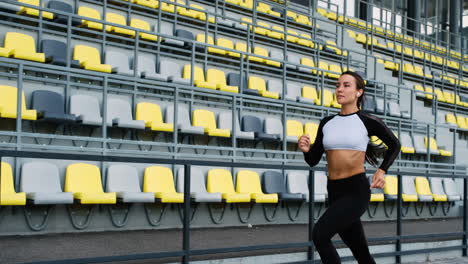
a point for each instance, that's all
(304, 143)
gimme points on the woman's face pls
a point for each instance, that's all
(346, 90)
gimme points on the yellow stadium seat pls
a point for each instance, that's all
(422, 186)
(148, 3)
(408, 68)
(264, 8)
(8, 104)
(247, 22)
(277, 32)
(418, 70)
(302, 19)
(152, 115)
(440, 95)
(8, 196)
(90, 13)
(335, 71)
(84, 181)
(330, 44)
(322, 11)
(209, 40)
(198, 12)
(249, 182)
(419, 54)
(305, 40)
(262, 28)
(291, 14)
(377, 197)
(90, 59)
(120, 20)
(310, 63)
(247, 4)
(461, 122)
(294, 128)
(323, 66)
(141, 24)
(327, 97)
(311, 129)
(418, 87)
(390, 65)
(240, 46)
(220, 181)
(458, 100)
(311, 93)
(226, 43)
(22, 46)
(433, 146)
(235, 2)
(429, 91)
(206, 119)
(450, 119)
(259, 84)
(198, 77)
(292, 36)
(160, 181)
(167, 7)
(33, 12)
(391, 185)
(449, 97)
(218, 77)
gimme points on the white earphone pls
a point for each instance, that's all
(358, 94)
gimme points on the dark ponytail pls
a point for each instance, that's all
(373, 150)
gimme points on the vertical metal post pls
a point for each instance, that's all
(310, 249)
(398, 229)
(187, 214)
(465, 203)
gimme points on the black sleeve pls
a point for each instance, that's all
(376, 127)
(316, 151)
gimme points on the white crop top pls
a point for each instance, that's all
(345, 132)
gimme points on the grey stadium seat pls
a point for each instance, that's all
(86, 108)
(420, 147)
(369, 103)
(293, 92)
(274, 126)
(119, 113)
(169, 30)
(172, 71)
(436, 186)
(394, 109)
(297, 182)
(124, 181)
(146, 67)
(56, 53)
(320, 186)
(198, 190)
(274, 182)
(408, 186)
(225, 22)
(50, 107)
(379, 105)
(254, 124)
(119, 61)
(276, 86)
(183, 120)
(225, 122)
(276, 55)
(234, 79)
(41, 183)
(65, 8)
(294, 59)
(185, 34)
(450, 188)
(406, 140)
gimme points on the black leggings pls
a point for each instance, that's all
(348, 200)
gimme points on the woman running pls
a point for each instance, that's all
(345, 137)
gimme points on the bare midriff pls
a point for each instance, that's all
(344, 163)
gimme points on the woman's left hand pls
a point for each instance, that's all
(378, 180)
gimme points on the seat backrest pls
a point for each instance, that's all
(225, 121)
(311, 129)
(327, 97)
(140, 24)
(293, 89)
(436, 185)
(183, 116)
(273, 182)
(422, 186)
(432, 143)
(182, 33)
(169, 68)
(20, 42)
(273, 126)
(379, 104)
(307, 62)
(394, 108)
(408, 186)
(261, 51)
(257, 83)
(248, 182)
(309, 92)
(82, 104)
(234, 79)
(197, 180)
(216, 76)
(450, 186)
(198, 74)
(40, 177)
(118, 108)
(116, 19)
(158, 179)
(146, 64)
(391, 185)
(296, 182)
(48, 101)
(54, 48)
(226, 43)
(89, 12)
(294, 128)
(118, 59)
(293, 58)
(81, 177)
(61, 6)
(418, 141)
(7, 184)
(220, 180)
(87, 54)
(252, 124)
(204, 118)
(320, 182)
(149, 112)
(8, 100)
(122, 178)
(275, 86)
(406, 140)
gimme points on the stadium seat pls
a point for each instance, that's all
(369, 103)
(449, 97)
(143, 25)
(335, 71)
(151, 114)
(434, 149)
(8, 196)
(183, 120)
(377, 195)
(262, 28)
(160, 181)
(169, 31)
(225, 122)
(254, 124)
(88, 12)
(305, 40)
(297, 183)
(185, 34)
(438, 192)
(294, 130)
(84, 181)
(123, 180)
(41, 183)
(234, 79)
(21, 46)
(206, 119)
(394, 109)
(8, 104)
(225, 43)
(407, 143)
(146, 67)
(461, 122)
(309, 95)
(450, 188)
(275, 86)
(293, 92)
(120, 62)
(309, 63)
(119, 20)
(259, 84)
(198, 190)
(86, 108)
(33, 12)
(419, 145)
(276, 32)
(379, 105)
(450, 119)
(220, 181)
(409, 193)
(273, 182)
(311, 129)
(90, 59)
(327, 97)
(292, 36)
(331, 46)
(302, 19)
(263, 52)
(50, 107)
(56, 53)
(423, 189)
(391, 187)
(274, 126)
(198, 77)
(148, 3)
(64, 8)
(265, 8)
(249, 182)
(218, 77)
(119, 114)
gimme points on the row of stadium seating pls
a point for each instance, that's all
(429, 93)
